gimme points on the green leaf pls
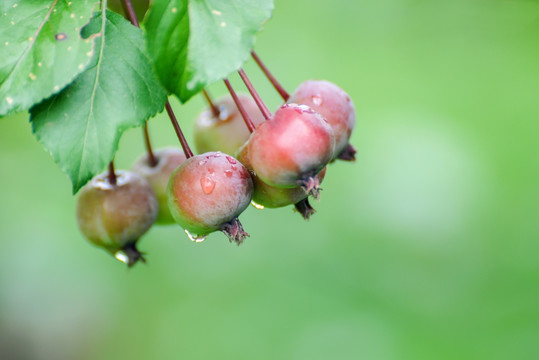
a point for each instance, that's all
(81, 126)
(197, 42)
(41, 49)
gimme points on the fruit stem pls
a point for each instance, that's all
(243, 113)
(130, 12)
(254, 94)
(112, 174)
(185, 146)
(280, 89)
(152, 161)
(128, 9)
(214, 109)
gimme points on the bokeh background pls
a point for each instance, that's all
(425, 248)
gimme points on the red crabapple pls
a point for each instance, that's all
(291, 148)
(335, 106)
(207, 193)
(114, 217)
(265, 195)
(227, 132)
(168, 160)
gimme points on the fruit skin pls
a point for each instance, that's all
(114, 217)
(335, 105)
(271, 196)
(292, 147)
(228, 132)
(168, 159)
(208, 192)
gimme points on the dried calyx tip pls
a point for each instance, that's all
(234, 230)
(304, 208)
(130, 255)
(348, 154)
(311, 186)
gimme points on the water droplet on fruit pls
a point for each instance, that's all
(207, 185)
(211, 170)
(196, 238)
(120, 255)
(257, 206)
(202, 162)
(317, 100)
(228, 173)
(234, 167)
(224, 114)
(231, 159)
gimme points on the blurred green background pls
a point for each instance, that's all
(425, 248)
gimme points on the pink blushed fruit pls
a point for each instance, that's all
(336, 106)
(114, 217)
(291, 148)
(265, 195)
(168, 160)
(207, 193)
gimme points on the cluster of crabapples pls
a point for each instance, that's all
(246, 155)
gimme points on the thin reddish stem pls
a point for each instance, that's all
(243, 113)
(185, 146)
(214, 109)
(254, 94)
(112, 174)
(280, 89)
(152, 161)
(130, 12)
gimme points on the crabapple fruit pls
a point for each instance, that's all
(114, 217)
(274, 197)
(207, 193)
(291, 148)
(334, 104)
(227, 132)
(168, 160)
